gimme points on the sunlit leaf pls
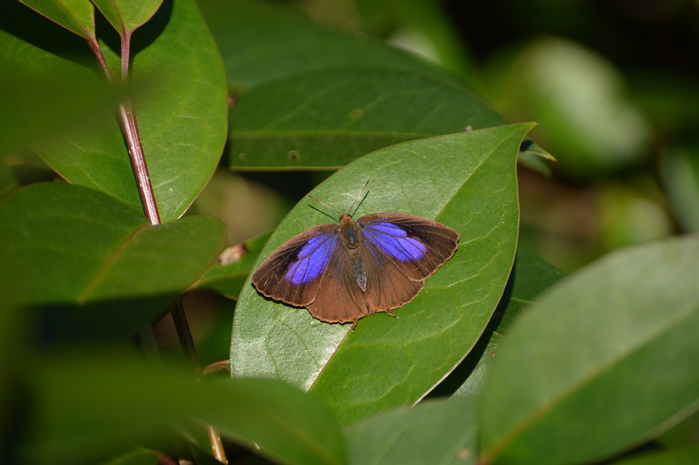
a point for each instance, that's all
(466, 181)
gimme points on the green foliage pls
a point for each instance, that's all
(472, 179)
(522, 363)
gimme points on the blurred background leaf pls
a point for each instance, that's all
(36, 107)
(95, 268)
(91, 405)
(615, 341)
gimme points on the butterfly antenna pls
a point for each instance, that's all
(359, 197)
(325, 204)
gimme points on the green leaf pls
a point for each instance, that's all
(603, 361)
(260, 42)
(466, 181)
(529, 277)
(125, 15)
(182, 121)
(437, 431)
(688, 455)
(81, 255)
(325, 119)
(228, 279)
(36, 106)
(89, 405)
(579, 99)
(679, 170)
(78, 16)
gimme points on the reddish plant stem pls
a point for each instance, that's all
(127, 114)
(133, 141)
(138, 161)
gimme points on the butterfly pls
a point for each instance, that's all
(344, 272)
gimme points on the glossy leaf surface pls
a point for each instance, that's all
(437, 431)
(603, 361)
(466, 181)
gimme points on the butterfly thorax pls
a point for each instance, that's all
(351, 237)
(350, 232)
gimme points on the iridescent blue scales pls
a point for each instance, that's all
(344, 272)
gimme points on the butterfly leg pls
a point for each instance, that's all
(390, 313)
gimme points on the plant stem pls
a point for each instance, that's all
(149, 345)
(127, 114)
(138, 161)
(179, 318)
(216, 445)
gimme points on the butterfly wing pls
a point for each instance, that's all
(417, 246)
(293, 273)
(398, 253)
(340, 299)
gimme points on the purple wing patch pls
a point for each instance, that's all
(312, 259)
(394, 241)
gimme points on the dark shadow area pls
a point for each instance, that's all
(30, 26)
(66, 324)
(142, 37)
(526, 143)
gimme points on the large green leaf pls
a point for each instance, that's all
(261, 41)
(90, 405)
(80, 254)
(437, 431)
(182, 121)
(325, 119)
(466, 181)
(603, 361)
